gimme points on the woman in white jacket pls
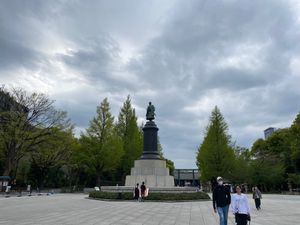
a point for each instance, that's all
(240, 207)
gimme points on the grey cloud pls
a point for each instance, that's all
(14, 54)
(235, 79)
(234, 54)
(19, 37)
(100, 63)
(195, 41)
(98, 54)
(203, 32)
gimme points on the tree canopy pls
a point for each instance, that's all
(27, 121)
(131, 137)
(215, 155)
(102, 148)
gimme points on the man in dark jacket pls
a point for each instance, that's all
(143, 191)
(136, 195)
(221, 201)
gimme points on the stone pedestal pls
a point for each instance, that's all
(150, 141)
(151, 171)
(150, 168)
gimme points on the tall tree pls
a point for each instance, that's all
(26, 122)
(241, 168)
(53, 153)
(76, 166)
(280, 150)
(276, 161)
(260, 149)
(131, 136)
(295, 142)
(215, 155)
(101, 146)
(267, 167)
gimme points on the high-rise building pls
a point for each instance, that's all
(269, 131)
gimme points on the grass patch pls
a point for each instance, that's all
(196, 196)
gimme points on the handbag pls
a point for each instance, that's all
(249, 218)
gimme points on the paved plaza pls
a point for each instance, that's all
(72, 209)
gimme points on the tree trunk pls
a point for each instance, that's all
(10, 159)
(41, 178)
(8, 167)
(98, 180)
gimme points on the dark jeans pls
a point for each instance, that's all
(241, 219)
(257, 203)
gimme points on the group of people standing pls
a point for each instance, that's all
(239, 203)
(140, 192)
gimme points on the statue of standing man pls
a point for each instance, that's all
(150, 112)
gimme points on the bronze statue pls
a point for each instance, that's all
(150, 112)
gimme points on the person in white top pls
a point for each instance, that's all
(240, 207)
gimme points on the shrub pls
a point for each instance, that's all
(111, 195)
(178, 196)
(152, 196)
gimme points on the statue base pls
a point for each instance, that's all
(150, 141)
(151, 171)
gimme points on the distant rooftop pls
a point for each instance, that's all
(269, 131)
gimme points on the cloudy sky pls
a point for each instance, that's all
(184, 56)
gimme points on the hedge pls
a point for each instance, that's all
(152, 196)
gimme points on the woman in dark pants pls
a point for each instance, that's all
(136, 195)
(257, 197)
(240, 207)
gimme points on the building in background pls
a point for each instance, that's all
(186, 177)
(269, 131)
(9, 104)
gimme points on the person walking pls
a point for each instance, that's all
(221, 201)
(143, 191)
(257, 196)
(136, 193)
(240, 207)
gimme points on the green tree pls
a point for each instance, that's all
(27, 120)
(267, 175)
(259, 149)
(76, 165)
(241, 172)
(215, 155)
(294, 179)
(279, 148)
(101, 146)
(55, 152)
(295, 143)
(131, 135)
(266, 168)
(1, 156)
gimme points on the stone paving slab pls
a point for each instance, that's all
(73, 209)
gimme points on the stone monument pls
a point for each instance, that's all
(150, 168)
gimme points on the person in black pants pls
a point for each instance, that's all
(257, 196)
(240, 207)
(136, 192)
(143, 191)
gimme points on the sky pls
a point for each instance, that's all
(186, 57)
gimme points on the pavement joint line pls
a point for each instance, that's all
(73, 209)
